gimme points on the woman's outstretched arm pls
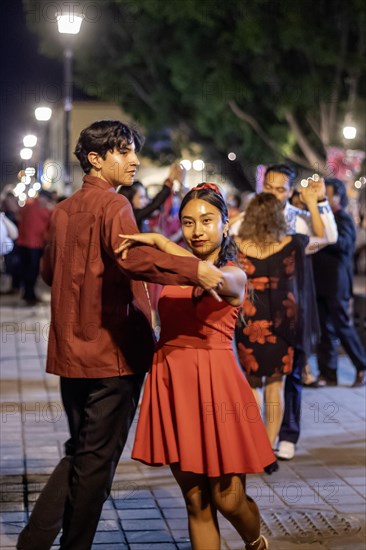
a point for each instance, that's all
(152, 239)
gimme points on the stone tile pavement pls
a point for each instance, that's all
(316, 501)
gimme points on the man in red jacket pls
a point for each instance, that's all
(101, 341)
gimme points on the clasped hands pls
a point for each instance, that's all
(210, 278)
(314, 192)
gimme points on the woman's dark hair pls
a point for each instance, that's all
(103, 136)
(130, 191)
(284, 169)
(339, 189)
(213, 196)
(263, 218)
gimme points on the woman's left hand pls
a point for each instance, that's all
(135, 238)
(124, 247)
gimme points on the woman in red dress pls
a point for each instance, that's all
(198, 413)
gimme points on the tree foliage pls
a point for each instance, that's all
(268, 79)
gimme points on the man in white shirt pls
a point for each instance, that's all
(317, 221)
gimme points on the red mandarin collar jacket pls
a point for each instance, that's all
(100, 311)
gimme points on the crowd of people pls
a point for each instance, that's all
(240, 306)
(22, 259)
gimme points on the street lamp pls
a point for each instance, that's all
(70, 24)
(43, 115)
(198, 165)
(349, 128)
(30, 140)
(26, 153)
(349, 131)
(186, 164)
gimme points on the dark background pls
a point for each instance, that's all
(26, 79)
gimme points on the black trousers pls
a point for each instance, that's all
(30, 259)
(100, 412)
(335, 324)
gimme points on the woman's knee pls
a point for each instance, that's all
(199, 505)
(229, 496)
(196, 491)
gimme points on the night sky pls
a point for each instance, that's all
(26, 79)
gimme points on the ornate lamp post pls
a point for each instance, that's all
(69, 24)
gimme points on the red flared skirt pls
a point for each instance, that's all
(199, 411)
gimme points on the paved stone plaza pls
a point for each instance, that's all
(316, 501)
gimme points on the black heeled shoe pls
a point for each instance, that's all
(271, 468)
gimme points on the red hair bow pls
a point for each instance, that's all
(211, 186)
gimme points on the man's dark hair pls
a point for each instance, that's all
(103, 136)
(284, 169)
(339, 189)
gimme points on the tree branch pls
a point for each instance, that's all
(145, 96)
(313, 125)
(315, 161)
(324, 124)
(252, 122)
(334, 98)
(261, 133)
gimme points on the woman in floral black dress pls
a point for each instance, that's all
(272, 310)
